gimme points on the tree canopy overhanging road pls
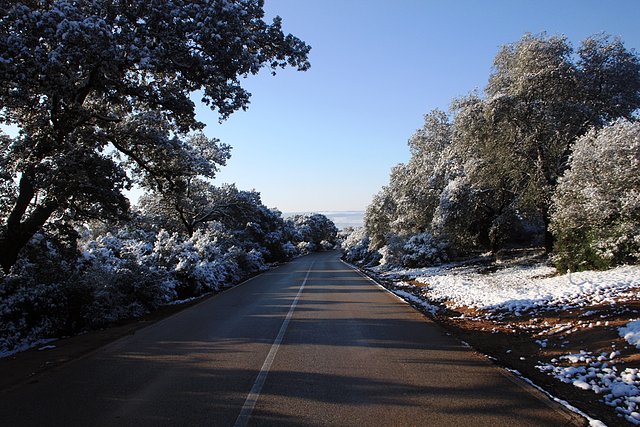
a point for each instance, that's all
(309, 343)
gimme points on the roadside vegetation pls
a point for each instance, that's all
(96, 98)
(99, 97)
(547, 156)
(516, 221)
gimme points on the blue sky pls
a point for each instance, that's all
(325, 140)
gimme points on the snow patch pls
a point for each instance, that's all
(411, 298)
(631, 333)
(27, 345)
(620, 389)
(592, 422)
(520, 289)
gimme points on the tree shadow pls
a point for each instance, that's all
(351, 356)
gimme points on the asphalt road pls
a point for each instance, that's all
(309, 343)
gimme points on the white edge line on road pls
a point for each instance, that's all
(513, 372)
(252, 398)
(357, 270)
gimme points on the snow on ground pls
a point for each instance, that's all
(430, 308)
(41, 343)
(620, 388)
(517, 288)
(631, 333)
(513, 291)
(592, 421)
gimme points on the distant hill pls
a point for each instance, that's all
(342, 219)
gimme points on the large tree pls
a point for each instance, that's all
(198, 203)
(596, 205)
(539, 100)
(100, 87)
(416, 185)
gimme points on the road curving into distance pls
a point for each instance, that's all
(312, 342)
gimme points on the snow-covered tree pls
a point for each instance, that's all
(609, 79)
(596, 206)
(378, 217)
(533, 104)
(272, 235)
(198, 204)
(538, 101)
(313, 231)
(407, 205)
(98, 87)
(416, 185)
(480, 198)
(484, 179)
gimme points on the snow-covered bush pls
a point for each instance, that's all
(196, 262)
(355, 248)
(596, 206)
(289, 250)
(241, 264)
(309, 231)
(306, 247)
(29, 312)
(326, 245)
(37, 299)
(128, 291)
(419, 250)
(393, 252)
(424, 250)
(126, 282)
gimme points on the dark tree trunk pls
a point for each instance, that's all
(16, 233)
(549, 240)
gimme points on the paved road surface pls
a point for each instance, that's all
(309, 343)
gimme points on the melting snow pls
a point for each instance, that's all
(620, 390)
(519, 289)
(631, 333)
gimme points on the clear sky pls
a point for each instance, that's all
(325, 139)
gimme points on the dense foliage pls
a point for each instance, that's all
(100, 93)
(482, 177)
(127, 269)
(596, 207)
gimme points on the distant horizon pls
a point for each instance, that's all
(342, 219)
(323, 212)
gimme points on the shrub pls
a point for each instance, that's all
(289, 250)
(355, 248)
(423, 250)
(392, 252)
(596, 206)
